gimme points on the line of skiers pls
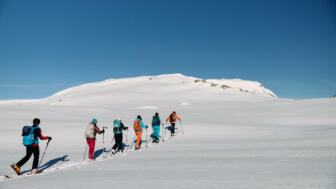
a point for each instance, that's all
(31, 134)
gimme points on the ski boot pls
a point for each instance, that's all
(16, 169)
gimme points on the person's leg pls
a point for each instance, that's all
(156, 132)
(173, 129)
(36, 151)
(88, 141)
(138, 134)
(93, 147)
(120, 138)
(91, 143)
(115, 142)
(29, 152)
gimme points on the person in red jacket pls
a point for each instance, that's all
(172, 119)
(32, 149)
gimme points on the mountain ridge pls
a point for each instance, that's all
(231, 83)
(151, 87)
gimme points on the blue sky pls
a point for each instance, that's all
(47, 46)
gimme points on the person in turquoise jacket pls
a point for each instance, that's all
(156, 127)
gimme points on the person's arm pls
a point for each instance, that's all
(177, 117)
(143, 125)
(114, 130)
(123, 126)
(98, 130)
(159, 121)
(38, 133)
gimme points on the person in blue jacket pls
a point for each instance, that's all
(156, 127)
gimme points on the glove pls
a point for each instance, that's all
(126, 128)
(103, 131)
(49, 138)
(146, 126)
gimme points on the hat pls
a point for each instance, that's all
(94, 121)
(36, 121)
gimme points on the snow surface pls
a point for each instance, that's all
(233, 139)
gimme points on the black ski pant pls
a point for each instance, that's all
(30, 150)
(173, 128)
(118, 141)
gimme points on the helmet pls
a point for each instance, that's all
(94, 121)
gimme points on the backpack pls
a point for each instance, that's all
(156, 120)
(172, 117)
(137, 125)
(26, 130)
(116, 126)
(28, 135)
(90, 130)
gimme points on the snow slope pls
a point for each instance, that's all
(233, 138)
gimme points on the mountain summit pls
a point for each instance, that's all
(168, 87)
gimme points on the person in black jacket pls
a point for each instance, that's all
(32, 149)
(118, 135)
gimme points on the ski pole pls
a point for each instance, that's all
(165, 130)
(146, 138)
(85, 151)
(126, 136)
(112, 141)
(133, 142)
(163, 136)
(86, 145)
(104, 133)
(181, 127)
(107, 152)
(123, 145)
(44, 152)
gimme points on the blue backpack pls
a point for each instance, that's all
(28, 135)
(116, 124)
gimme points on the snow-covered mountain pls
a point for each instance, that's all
(148, 88)
(237, 135)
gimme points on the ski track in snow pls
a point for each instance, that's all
(104, 157)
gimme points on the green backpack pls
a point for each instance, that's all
(156, 120)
